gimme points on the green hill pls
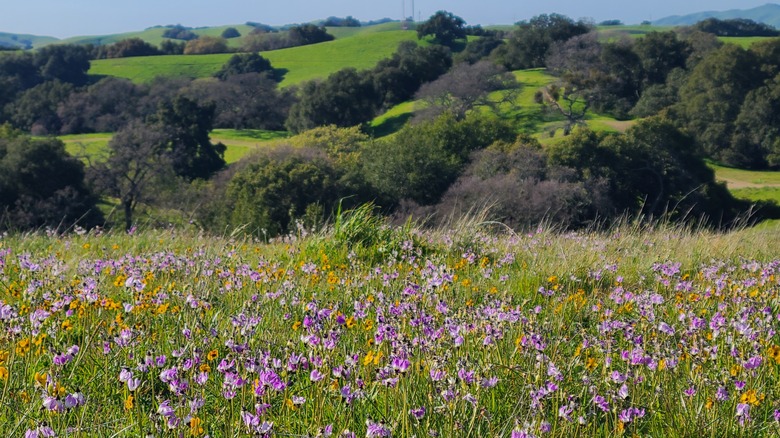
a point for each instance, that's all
(769, 14)
(24, 41)
(362, 50)
(239, 142)
(154, 35)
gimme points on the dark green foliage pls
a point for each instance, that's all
(308, 34)
(179, 32)
(421, 161)
(243, 101)
(479, 49)
(35, 110)
(42, 186)
(244, 63)
(104, 106)
(736, 27)
(341, 22)
(345, 98)
(397, 78)
(126, 48)
(655, 98)
(169, 47)
(270, 193)
(756, 140)
(187, 125)
(260, 27)
(653, 169)
(711, 98)
(660, 53)
(445, 27)
(528, 46)
(67, 63)
(768, 53)
(230, 32)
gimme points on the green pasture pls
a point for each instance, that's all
(526, 114)
(345, 32)
(154, 35)
(361, 51)
(744, 42)
(752, 185)
(239, 142)
(14, 40)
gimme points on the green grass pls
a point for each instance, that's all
(360, 51)
(632, 31)
(742, 177)
(154, 36)
(145, 68)
(22, 40)
(393, 119)
(239, 142)
(344, 32)
(750, 184)
(88, 147)
(527, 115)
(634, 315)
(758, 194)
(744, 42)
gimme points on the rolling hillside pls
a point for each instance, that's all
(360, 51)
(154, 35)
(24, 41)
(769, 14)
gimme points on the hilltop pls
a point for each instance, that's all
(769, 14)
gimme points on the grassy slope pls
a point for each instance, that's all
(360, 51)
(748, 184)
(21, 40)
(239, 142)
(528, 115)
(154, 35)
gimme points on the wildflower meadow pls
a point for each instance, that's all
(371, 331)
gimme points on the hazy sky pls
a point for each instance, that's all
(65, 18)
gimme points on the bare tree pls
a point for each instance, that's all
(467, 86)
(137, 165)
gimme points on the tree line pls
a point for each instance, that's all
(700, 99)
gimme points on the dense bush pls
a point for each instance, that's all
(244, 63)
(263, 39)
(421, 161)
(519, 189)
(736, 27)
(206, 45)
(341, 22)
(42, 186)
(270, 192)
(125, 49)
(179, 32)
(230, 32)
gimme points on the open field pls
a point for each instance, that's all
(379, 331)
(239, 142)
(744, 42)
(361, 51)
(749, 184)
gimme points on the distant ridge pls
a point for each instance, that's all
(769, 14)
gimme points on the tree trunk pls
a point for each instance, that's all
(128, 207)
